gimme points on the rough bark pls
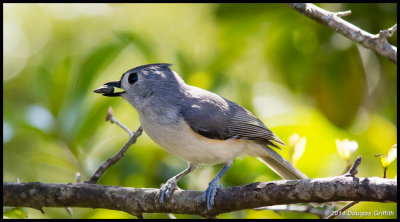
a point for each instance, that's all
(137, 201)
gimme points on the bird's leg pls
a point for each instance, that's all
(211, 190)
(168, 188)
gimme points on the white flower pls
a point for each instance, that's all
(346, 147)
(297, 144)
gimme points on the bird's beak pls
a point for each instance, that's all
(108, 89)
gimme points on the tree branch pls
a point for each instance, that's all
(377, 42)
(112, 160)
(137, 201)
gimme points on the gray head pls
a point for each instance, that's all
(143, 82)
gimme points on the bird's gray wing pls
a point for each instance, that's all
(244, 124)
(217, 118)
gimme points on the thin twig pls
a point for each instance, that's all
(110, 117)
(111, 161)
(299, 209)
(377, 43)
(339, 212)
(78, 177)
(352, 172)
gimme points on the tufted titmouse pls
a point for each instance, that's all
(197, 125)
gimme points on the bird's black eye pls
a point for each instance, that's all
(133, 77)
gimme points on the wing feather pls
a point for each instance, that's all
(217, 118)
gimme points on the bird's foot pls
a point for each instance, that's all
(210, 192)
(166, 190)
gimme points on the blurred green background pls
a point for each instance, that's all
(295, 74)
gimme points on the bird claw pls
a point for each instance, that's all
(210, 192)
(166, 190)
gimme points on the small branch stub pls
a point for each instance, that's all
(78, 177)
(384, 34)
(343, 14)
(354, 169)
(109, 114)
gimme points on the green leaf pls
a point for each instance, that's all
(15, 213)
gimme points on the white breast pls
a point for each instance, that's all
(182, 141)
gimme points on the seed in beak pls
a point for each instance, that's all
(104, 89)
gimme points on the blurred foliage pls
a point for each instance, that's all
(295, 74)
(15, 212)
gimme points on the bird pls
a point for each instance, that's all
(196, 125)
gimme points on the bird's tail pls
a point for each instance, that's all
(281, 166)
(277, 163)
